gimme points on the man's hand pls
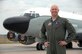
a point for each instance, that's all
(62, 43)
(46, 44)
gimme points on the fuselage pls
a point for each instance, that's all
(36, 24)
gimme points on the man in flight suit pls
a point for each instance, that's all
(53, 32)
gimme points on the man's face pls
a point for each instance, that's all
(54, 10)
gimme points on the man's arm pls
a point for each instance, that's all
(71, 31)
(43, 37)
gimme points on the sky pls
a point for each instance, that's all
(9, 8)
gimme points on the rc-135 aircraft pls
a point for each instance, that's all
(26, 28)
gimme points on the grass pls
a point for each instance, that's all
(4, 40)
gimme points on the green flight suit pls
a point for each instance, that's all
(54, 31)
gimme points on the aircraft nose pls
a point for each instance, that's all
(18, 24)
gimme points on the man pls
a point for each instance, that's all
(54, 31)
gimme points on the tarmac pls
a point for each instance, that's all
(31, 49)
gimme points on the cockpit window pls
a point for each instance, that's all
(32, 15)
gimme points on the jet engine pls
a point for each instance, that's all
(26, 39)
(79, 38)
(12, 36)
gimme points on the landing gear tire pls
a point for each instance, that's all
(39, 46)
(69, 45)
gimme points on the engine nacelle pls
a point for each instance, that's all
(79, 36)
(26, 39)
(12, 36)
